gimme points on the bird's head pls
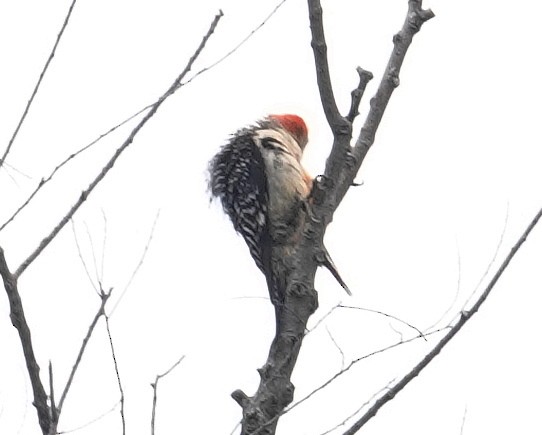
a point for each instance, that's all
(294, 125)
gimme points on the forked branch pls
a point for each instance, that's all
(262, 411)
(414, 20)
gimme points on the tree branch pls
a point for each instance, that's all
(101, 311)
(36, 88)
(323, 77)
(463, 319)
(154, 386)
(53, 408)
(18, 320)
(117, 373)
(357, 94)
(72, 156)
(415, 18)
(154, 108)
(275, 392)
(239, 45)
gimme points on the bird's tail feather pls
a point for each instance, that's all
(329, 265)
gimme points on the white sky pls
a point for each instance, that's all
(455, 163)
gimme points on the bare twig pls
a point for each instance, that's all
(457, 291)
(118, 375)
(357, 411)
(94, 420)
(369, 310)
(101, 311)
(83, 262)
(8, 167)
(36, 88)
(53, 408)
(415, 18)
(358, 360)
(45, 180)
(154, 386)
(139, 264)
(11, 177)
(491, 262)
(336, 346)
(357, 94)
(238, 46)
(93, 252)
(237, 426)
(480, 281)
(323, 77)
(464, 318)
(322, 319)
(84, 195)
(18, 320)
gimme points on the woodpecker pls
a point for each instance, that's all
(264, 190)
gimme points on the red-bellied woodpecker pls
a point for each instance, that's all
(263, 188)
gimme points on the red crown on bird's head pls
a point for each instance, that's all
(295, 126)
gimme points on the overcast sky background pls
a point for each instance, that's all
(455, 168)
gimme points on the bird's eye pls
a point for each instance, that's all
(270, 143)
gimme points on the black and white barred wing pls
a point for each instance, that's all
(237, 178)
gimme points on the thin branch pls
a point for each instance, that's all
(44, 70)
(93, 252)
(45, 180)
(94, 420)
(414, 20)
(358, 360)
(457, 291)
(139, 264)
(336, 346)
(8, 167)
(101, 311)
(18, 320)
(369, 310)
(83, 262)
(154, 386)
(323, 77)
(84, 195)
(118, 375)
(357, 94)
(464, 318)
(238, 46)
(237, 426)
(357, 411)
(491, 262)
(53, 408)
(11, 177)
(322, 319)
(480, 281)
